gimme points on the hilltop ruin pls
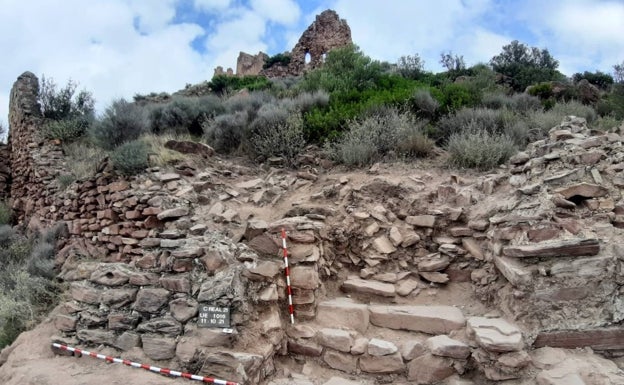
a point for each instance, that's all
(328, 31)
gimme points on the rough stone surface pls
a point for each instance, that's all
(426, 319)
(447, 347)
(337, 339)
(342, 312)
(392, 363)
(429, 369)
(363, 286)
(495, 334)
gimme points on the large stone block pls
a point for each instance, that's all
(337, 339)
(305, 277)
(340, 361)
(392, 363)
(151, 300)
(158, 348)
(426, 319)
(343, 312)
(363, 286)
(429, 369)
(495, 334)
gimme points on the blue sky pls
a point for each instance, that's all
(117, 48)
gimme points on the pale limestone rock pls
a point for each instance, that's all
(343, 312)
(426, 319)
(361, 286)
(495, 334)
(429, 369)
(444, 346)
(383, 245)
(340, 361)
(392, 363)
(421, 220)
(337, 339)
(395, 236)
(378, 347)
(411, 349)
(173, 213)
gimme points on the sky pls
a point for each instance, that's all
(118, 48)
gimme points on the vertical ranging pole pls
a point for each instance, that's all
(155, 369)
(291, 308)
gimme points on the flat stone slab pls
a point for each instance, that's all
(426, 319)
(585, 190)
(563, 248)
(445, 346)
(362, 286)
(343, 312)
(597, 339)
(515, 273)
(495, 334)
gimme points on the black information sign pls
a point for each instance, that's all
(213, 316)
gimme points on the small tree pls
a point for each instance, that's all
(618, 73)
(525, 66)
(599, 79)
(411, 67)
(64, 103)
(452, 63)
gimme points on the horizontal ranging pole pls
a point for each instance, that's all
(154, 369)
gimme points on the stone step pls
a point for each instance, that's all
(561, 248)
(427, 319)
(597, 339)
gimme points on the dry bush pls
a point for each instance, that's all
(480, 149)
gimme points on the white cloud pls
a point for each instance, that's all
(211, 5)
(285, 12)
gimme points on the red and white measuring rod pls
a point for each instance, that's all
(291, 308)
(154, 369)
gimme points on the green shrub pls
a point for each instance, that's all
(84, 158)
(599, 79)
(64, 103)
(283, 138)
(65, 130)
(65, 180)
(608, 123)
(225, 133)
(478, 148)
(490, 120)
(6, 214)
(457, 95)
(423, 104)
(383, 132)
(122, 122)
(131, 157)
(222, 84)
(575, 108)
(411, 67)
(541, 90)
(280, 58)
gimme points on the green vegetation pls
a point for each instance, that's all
(280, 58)
(359, 109)
(27, 286)
(6, 214)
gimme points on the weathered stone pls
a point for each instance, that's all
(598, 339)
(189, 251)
(584, 267)
(585, 190)
(127, 340)
(447, 347)
(263, 271)
(515, 273)
(151, 300)
(65, 323)
(122, 321)
(361, 286)
(166, 325)
(377, 347)
(407, 286)
(255, 227)
(383, 245)
(340, 361)
(429, 369)
(110, 274)
(426, 319)
(337, 339)
(360, 345)
(304, 347)
(495, 334)
(434, 263)
(116, 298)
(177, 283)
(421, 220)
(343, 312)
(82, 292)
(305, 277)
(472, 246)
(265, 245)
(95, 336)
(563, 248)
(235, 366)
(411, 349)
(434, 276)
(395, 236)
(173, 213)
(410, 238)
(340, 381)
(183, 309)
(392, 363)
(158, 348)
